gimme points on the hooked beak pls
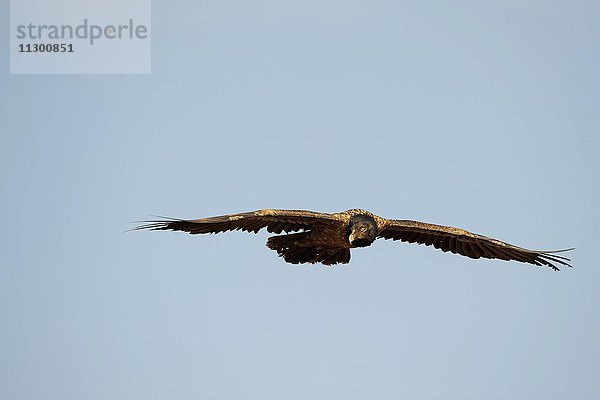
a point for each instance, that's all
(352, 237)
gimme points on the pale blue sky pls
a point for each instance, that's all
(483, 115)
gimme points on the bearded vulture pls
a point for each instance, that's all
(327, 238)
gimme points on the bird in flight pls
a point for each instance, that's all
(327, 238)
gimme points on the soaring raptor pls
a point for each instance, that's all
(328, 238)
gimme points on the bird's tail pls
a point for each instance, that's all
(296, 248)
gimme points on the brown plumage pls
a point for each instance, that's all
(327, 238)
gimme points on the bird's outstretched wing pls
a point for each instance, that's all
(467, 244)
(275, 221)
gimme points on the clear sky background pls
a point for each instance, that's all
(478, 114)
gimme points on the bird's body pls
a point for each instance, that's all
(327, 238)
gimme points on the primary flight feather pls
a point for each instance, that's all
(327, 238)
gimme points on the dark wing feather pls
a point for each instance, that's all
(467, 244)
(275, 221)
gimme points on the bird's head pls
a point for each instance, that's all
(363, 232)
